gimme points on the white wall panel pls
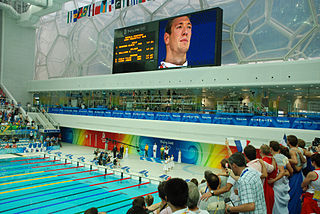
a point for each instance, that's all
(276, 73)
(18, 49)
(205, 133)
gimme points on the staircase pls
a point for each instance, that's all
(45, 122)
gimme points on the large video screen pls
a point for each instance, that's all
(188, 40)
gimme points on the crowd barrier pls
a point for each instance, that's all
(242, 119)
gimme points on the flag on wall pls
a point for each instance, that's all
(100, 7)
(134, 2)
(241, 144)
(84, 11)
(75, 15)
(103, 7)
(117, 4)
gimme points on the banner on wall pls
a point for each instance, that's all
(101, 7)
(203, 154)
(312, 123)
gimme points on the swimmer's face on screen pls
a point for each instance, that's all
(177, 39)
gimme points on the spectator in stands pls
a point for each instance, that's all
(177, 195)
(255, 163)
(285, 151)
(93, 210)
(14, 145)
(268, 187)
(307, 167)
(163, 206)
(296, 179)
(138, 206)
(249, 185)
(47, 140)
(195, 181)
(213, 204)
(280, 183)
(53, 141)
(59, 139)
(31, 135)
(149, 201)
(193, 199)
(203, 187)
(229, 190)
(312, 186)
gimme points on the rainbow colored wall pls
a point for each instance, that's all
(202, 154)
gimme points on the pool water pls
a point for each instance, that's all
(43, 185)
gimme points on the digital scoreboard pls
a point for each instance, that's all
(142, 47)
(135, 47)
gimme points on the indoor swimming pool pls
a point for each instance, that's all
(44, 185)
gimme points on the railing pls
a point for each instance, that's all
(45, 119)
(242, 119)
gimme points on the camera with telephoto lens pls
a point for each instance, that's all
(315, 144)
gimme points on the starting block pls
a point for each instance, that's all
(82, 159)
(165, 177)
(126, 168)
(58, 153)
(94, 162)
(69, 156)
(111, 165)
(144, 172)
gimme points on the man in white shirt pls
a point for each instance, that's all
(155, 150)
(166, 153)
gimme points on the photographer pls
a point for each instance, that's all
(315, 148)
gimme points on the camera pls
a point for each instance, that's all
(316, 142)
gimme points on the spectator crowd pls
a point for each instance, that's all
(276, 178)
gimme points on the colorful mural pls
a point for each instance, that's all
(203, 154)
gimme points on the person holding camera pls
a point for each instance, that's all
(249, 187)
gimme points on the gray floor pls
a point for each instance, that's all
(182, 170)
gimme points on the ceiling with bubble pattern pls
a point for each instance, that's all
(253, 31)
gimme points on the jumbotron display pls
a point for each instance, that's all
(188, 40)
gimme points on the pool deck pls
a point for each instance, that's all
(181, 170)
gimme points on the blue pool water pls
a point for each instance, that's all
(37, 185)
